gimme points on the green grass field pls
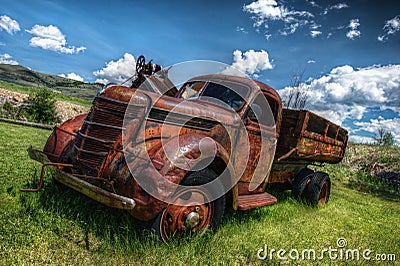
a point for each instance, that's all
(58, 226)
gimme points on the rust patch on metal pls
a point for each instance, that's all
(246, 202)
(305, 135)
(243, 188)
(178, 219)
(62, 136)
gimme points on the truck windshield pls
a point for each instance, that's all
(233, 96)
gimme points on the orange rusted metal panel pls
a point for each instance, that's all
(307, 136)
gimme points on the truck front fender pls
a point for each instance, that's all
(192, 152)
(62, 136)
(144, 180)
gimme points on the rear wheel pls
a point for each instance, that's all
(300, 182)
(177, 219)
(319, 189)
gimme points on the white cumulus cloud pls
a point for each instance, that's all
(312, 3)
(72, 76)
(265, 11)
(7, 59)
(241, 29)
(51, 38)
(250, 62)
(8, 24)
(315, 33)
(117, 71)
(335, 7)
(339, 6)
(354, 31)
(389, 125)
(361, 139)
(391, 27)
(348, 93)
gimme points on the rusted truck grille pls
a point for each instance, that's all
(98, 134)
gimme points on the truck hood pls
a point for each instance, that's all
(173, 106)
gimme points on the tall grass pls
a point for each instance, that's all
(59, 226)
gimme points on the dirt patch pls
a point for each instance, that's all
(64, 110)
(12, 96)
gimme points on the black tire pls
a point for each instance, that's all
(319, 189)
(141, 226)
(217, 207)
(67, 155)
(300, 182)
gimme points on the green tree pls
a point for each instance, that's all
(388, 139)
(384, 138)
(41, 106)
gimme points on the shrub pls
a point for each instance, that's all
(41, 106)
(8, 110)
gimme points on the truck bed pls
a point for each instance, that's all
(307, 136)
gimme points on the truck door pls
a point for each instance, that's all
(261, 131)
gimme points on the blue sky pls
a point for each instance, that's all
(349, 50)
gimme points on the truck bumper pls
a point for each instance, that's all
(98, 194)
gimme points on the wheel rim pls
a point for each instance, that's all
(323, 195)
(178, 218)
(140, 64)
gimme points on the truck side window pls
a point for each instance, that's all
(258, 109)
(192, 89)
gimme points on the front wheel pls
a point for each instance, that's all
(178, 219)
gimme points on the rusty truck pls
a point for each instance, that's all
(88, 153)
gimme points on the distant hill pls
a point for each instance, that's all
(23, 76)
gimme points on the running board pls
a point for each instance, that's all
(246, 202)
